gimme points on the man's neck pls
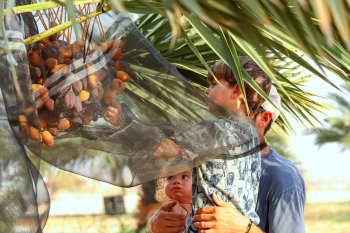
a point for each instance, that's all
(264, 151)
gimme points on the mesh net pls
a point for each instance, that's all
(147, 124)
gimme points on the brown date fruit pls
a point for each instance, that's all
(110, 63)
(116, 83)
(35, 73)
(117, 54)
(62, 59)
(77, 86)
(77, 121)
(53, 37)
(50, 104)
(69, 99)
(122, 65)
(53, 131)
(121, 87)
(35, 48)
(76, 47)
(109, 96)
(42, 114)
(49, 51)
(34, 58)
(45, 41)
(52, 120)
(102, 46)
(84, 83)
(77, 105)
(87, 120)
(58, 43)
(100, 93)
(101, 74)
(51, 62)
(65, 51)
(94, 92)
(113, 71)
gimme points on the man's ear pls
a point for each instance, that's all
(266, 117)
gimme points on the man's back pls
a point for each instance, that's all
(281, 199)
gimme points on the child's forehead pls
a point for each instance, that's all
(185, 172)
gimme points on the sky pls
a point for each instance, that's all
(327, 163)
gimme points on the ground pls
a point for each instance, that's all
(319, 218)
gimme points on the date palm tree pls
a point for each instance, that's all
(277, 35)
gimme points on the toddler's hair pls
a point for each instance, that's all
(223, 71)
(160, 193)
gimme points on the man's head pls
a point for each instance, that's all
(268, 113)
(231, 96)
(261, 111)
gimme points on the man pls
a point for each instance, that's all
(281, 197)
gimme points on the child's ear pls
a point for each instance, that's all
(236, 92)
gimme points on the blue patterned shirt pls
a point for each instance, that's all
(235, 181)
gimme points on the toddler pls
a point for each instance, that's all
(178, 188)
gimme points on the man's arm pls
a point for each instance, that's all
(286, 213)
(223, 218)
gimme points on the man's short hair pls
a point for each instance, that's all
(222, 71)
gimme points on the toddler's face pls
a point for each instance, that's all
(178, 187)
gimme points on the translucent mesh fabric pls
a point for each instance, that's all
(157, 105)
(24, 199)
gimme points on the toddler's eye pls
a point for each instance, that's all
(185, 177)
(212, 84)
(169, 178)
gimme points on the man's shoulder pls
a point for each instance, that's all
(280, 173)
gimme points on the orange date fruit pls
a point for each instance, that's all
(34, 133)
(63, 124)
(84, 95)
(123, 76)
(115, 44)
(47, 138)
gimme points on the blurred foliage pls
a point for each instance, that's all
(338, 128)
(281, 143)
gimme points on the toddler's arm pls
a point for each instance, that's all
(178, 209)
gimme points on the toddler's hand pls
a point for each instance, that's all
(113, 114)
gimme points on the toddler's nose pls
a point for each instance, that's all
(176, 181)
(207, 91)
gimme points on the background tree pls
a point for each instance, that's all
(338, 128)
